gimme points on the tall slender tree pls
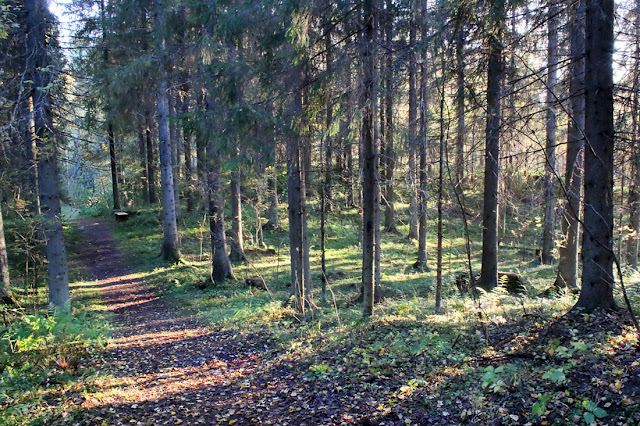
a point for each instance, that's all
(548, 229)
(370, 178)
(40, 68)
(568, 248)
(489, 271)
(170, 248)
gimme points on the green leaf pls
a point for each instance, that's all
(588, 417)
(599, 413)
(588, 405)
(538, 409)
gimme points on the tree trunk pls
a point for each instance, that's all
(37, 23)
(489, 272)
(151, 165)
(114, 166)
(143, 162)
(370, 178)
(272, 212)
(201, 144)
(597, 243)
(460, 109)
(568, 250)
(421, 263)
(301, 286)
(328, 166)
(188, 161)
(5, 283)
(174, 136)
(220, 263)
(548, 229)
(33, 156)
(438, 306)
(237, 242)
(170, 250)
(412, 127)
(633, 246)
(390, 155)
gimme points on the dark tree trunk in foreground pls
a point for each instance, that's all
(489, 272)
(568, 249)
(114, 167)
(548, 229)
(370, 178)
(597, 243)
(41, 75)
(5, 283)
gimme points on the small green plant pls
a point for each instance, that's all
(540, 407)
(555, 375)
(492, 380)
(592, 411)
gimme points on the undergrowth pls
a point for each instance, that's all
(42, 356)
(475, 362)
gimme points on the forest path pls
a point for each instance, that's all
(164, 367)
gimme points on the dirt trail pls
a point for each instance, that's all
(167, 368)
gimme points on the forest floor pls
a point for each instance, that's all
(164, 366)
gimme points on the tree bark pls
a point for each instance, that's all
(6, 297)
(174, 136)
(370, 177)
(328, 166)
(142, 149)
(633, 246)
(170, 249)
(597, 243)
(272, 212)
(151, 165)
(37, 24)
(438, 306)
(114, 166)
(237, 241)
(489, 271)
(301, 286)
(460, 98)
(568, 249)
(548, 229)
(188, 160)
(390, 155)
(412, 131)
(220, 262)
(423, 196)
